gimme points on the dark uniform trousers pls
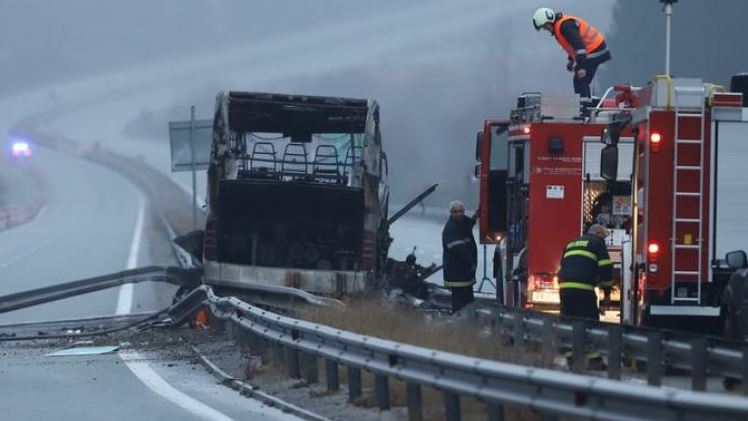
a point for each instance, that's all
(461, 296)
(579, 303)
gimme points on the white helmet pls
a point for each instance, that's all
(542, 16)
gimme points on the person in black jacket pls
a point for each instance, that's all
(460, 255)
(585, 264)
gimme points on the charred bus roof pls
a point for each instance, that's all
(296, 115)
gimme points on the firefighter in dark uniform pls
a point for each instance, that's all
(460, 255)
(585, 264)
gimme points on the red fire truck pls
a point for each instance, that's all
(659, 166)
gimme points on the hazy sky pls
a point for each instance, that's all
(437, 67)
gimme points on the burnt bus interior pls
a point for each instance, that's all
(293, 203)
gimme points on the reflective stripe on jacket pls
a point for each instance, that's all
(585, 264)
(591, 37)
(458, 284)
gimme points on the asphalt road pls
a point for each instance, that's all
(86, 228)
(16, 186)
(126, 386)
(96, 222)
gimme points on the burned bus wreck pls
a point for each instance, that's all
(297, 193)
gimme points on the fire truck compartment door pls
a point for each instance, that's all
(592, 149)
(731, 192)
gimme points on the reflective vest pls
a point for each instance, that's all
(591, 37)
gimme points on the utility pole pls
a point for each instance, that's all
(668, 8)
(194, 177)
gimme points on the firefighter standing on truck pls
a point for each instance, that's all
(585, 264)
(459, 255)
(584, 44)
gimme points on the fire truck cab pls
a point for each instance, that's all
(540, 187)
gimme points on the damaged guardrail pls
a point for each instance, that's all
(187, 278)
(552, 393)
(660, 350)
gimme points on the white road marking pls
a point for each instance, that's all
(40, 212)
(9, 261)
(124, 298)
(137, 364)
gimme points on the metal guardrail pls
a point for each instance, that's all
(660, 350)
(174, 275)
(552, 393)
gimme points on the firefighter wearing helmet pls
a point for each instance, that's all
(585, 264)
(583, 43)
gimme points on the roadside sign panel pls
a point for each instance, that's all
(181, 146)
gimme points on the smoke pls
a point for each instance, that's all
(437, 67)
(708, 40)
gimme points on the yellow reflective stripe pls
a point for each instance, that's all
(576, 285)
(581, 253)
(579, 243)
(604, 262)
(457, 284)
(590, 354)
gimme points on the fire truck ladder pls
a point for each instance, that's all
(683, 94)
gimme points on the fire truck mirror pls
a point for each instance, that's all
(478, 145)
(736, 259)
(607, 136)
(609, 163)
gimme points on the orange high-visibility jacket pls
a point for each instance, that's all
(591, 37)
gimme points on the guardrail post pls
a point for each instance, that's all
(331, 374)
(310, 368)
(292, 357)
(279, 353)
(654, 358)
(549, 339)
(578, 345)
(260, 348)
(495, 412)
(242, 338)
(354, 383)
(698, 364)
(518, 330)
(414, 401)
(548, 417)
(382, 389)
(250, 341)
(745, 370)
(615, 347)
(229, 329)
(452, 406)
